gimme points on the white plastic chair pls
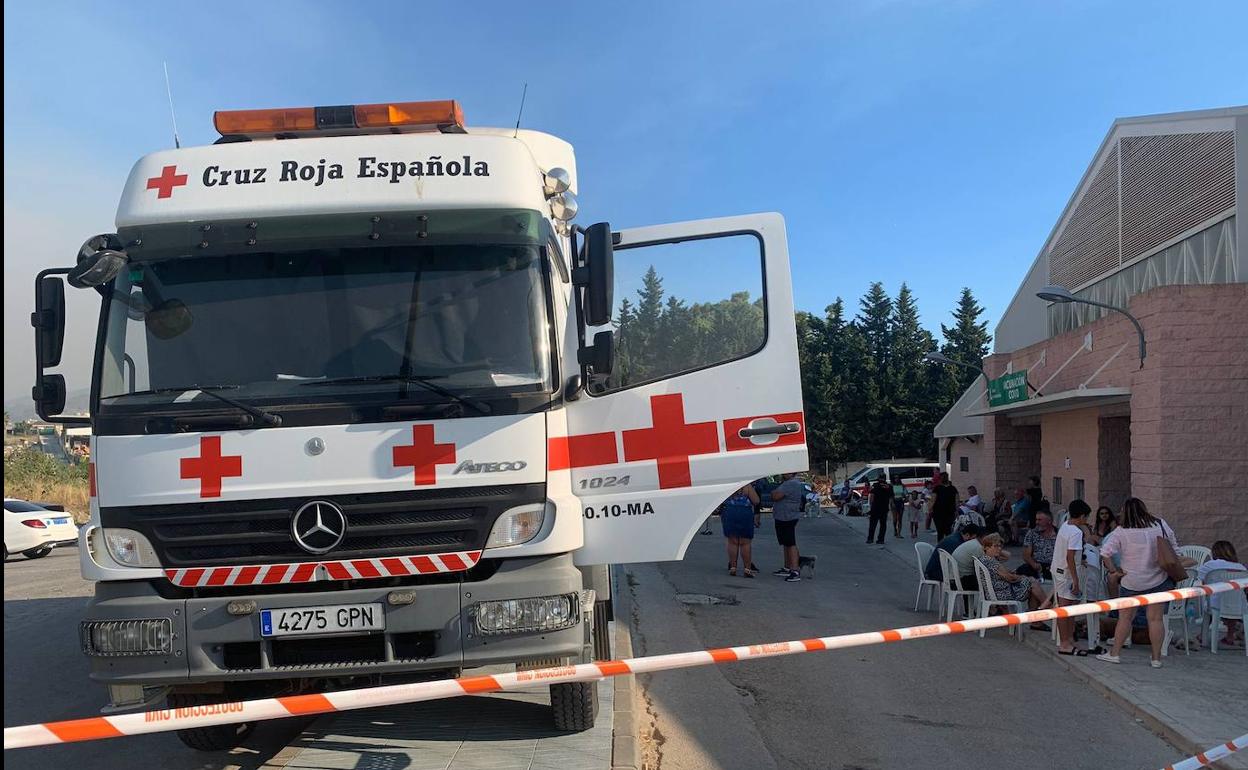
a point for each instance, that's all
(988, 598)
(1177, 609)
(923, 554)
(1232, 604)
(952, 589)
(1198, 553)
(1092, 581)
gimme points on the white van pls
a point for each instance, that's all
(911, 476)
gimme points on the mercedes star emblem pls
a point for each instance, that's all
(319, 526)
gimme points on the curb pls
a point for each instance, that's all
(1149, 717)
(625, 743)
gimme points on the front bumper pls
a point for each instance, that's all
(434, 632)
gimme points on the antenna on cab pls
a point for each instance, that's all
(522, 95)
(169, 92)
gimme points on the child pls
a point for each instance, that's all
(914, 511)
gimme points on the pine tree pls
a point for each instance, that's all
(966, 341)
(910, 341)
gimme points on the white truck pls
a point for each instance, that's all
(354, 414)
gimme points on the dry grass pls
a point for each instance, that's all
(72, 495)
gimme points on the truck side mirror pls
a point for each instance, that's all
(600, 356)
(49, 395)
(49, 320)
(597, 275)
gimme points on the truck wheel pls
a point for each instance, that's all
(215, 738)
(602, 632)
(575, 705)
(37, 553)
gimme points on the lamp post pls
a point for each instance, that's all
(940, 358)
(1060, 294)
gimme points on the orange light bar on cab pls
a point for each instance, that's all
(261, 122)
(445, 116)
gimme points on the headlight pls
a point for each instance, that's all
(128, 548)
(534, 615)
(517, 525)
(108, 638)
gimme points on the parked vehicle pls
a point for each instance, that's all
(911, 475)
(33, 530)
(352, 416)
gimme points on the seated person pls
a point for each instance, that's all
(1223, 557)
(965, 555)
(1021, 514)
(1038, 547)
(948, 545)
(1010, 586)
(966, 516)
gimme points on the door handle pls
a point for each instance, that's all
(779, 429)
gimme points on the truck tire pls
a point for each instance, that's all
(37, 553)
(575, 705)
(602, 631)
(215, 738)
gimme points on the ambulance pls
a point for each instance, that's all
(363, 411)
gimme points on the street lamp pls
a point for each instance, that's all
(1060, 294)
(940, 358)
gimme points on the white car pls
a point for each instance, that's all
(33, 530)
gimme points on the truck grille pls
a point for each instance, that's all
(382, 524)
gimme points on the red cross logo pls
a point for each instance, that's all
(169, 178)
(423, 455)
(211, 467)
(671, 441)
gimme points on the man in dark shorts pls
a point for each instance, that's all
(881, 497)
(945, 509)
(786, 510)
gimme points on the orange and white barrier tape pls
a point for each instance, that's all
(1209, 756)
(162, 720)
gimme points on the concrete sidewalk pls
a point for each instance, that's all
(1195, 701)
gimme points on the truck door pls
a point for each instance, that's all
(705, 395)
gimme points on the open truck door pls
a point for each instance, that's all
(704, 394)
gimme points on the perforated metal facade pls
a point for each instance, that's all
(1088, 245)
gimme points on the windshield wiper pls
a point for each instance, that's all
(425, 381)
(261, 416)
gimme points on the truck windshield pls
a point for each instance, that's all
(470, 318)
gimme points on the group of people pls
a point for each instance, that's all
(1137, 550)
(740, 515)
(937, 502)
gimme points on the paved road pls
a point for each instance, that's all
(45, 679)
(934, 703)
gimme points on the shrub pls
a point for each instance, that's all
(32, 475)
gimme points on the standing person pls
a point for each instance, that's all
(1035, 494)
(1105, 523)
(881, 498)
(899, 502)
(1067, 553)
(739, 516)
(945, 507)
(786, 509)
(928, 499)
(914, 512)
(1135, 540)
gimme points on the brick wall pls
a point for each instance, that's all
(1188, 437)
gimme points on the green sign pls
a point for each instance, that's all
(1008, 389)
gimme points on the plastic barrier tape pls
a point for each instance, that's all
(163, 720)
(1209, 756)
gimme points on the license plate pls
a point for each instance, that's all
(61, 521)
(331, 619)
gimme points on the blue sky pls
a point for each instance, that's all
(930, 142)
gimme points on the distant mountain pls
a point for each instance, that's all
(23, 408)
